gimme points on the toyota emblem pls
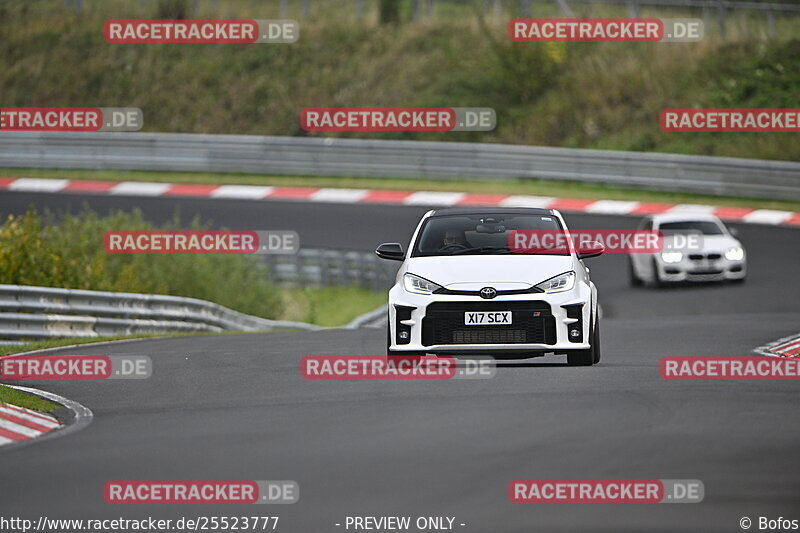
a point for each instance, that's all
(488, 293)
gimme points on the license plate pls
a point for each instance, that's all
(487, 318)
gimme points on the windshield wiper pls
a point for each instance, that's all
(482, 249)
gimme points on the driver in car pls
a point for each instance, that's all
(454, 238)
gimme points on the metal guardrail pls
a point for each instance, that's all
(426, 8)
(324, 268)
(411, 159)
(28, 312)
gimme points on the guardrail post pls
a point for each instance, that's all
(415, 9)
(771, 30)
(721, 20)
(284, 9)
(634, 9)
(565, 8)
(525, 8)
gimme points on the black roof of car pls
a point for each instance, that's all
(491, 211)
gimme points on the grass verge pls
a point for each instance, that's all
(68, 252)
(329, 306)
(25, 400)
(562, 189)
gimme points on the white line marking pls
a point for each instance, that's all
(434, 198)
(49, 423)
(612, 206)
(767, 216)
(339, 195)
(140, 188)
(769, 348)
(16, 428)
(252, 192)
(38, 185)
(785, 347)
(35, 414)
(527, 201)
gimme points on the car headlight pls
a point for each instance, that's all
(671, 257)
(562, 282)
(735, 254)
(418, 285)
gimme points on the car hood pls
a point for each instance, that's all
(473, 272)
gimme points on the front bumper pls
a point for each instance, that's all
(702, 269)
(434, 323)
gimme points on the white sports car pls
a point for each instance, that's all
(461, 289)
(714, 253)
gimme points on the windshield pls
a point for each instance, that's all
(484, 234)
(706, 227)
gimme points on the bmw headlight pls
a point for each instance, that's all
(735, 254)
(418, 285)
(671, 257)
(562, 282)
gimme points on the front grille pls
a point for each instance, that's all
(700, 257)
(444, 324)
(705, 272)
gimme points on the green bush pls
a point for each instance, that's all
(69, 253)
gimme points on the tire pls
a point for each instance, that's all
(590, 356)
(388, 336)
(596, 342)
(657, 283)
(633, 278)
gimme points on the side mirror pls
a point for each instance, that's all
(591, 249)
(733, 231)
(391, 250)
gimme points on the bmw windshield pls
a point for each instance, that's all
(706, 227)
(481, 234)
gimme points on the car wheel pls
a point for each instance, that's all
(657, 283)
(633, 278)
(388, 336)
(586, 357)
(596, 342)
